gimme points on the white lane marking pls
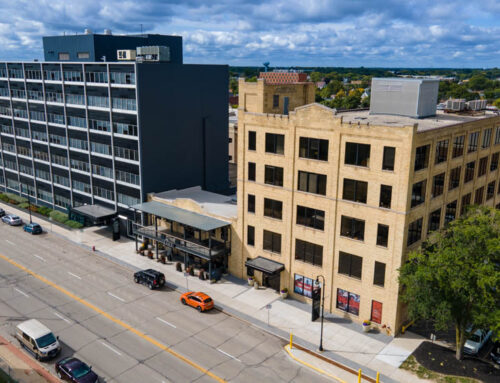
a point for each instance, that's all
(40, 258)
(74, 275)
(21, 292)
(9, 242)
(116, 297)
(63, 318)
(111, 348)
(225, 353)
(167, 323)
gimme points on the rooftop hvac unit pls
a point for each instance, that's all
(126, 54)
(455, 105)
(107, 32)
(153, 53)
(88, 31)
(477, 105)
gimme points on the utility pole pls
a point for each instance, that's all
(322, 310)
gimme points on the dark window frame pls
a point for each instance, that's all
(250, 235)
(466, 200)
(272, 243)
(414, 232)
(438, 185)
(490, 190)
(308, 252)
(455, 177)
(470, 169)
(418, 192)
(310, 217)
(388, 159)
(441, 151)
(273, 175)
(382, 235)
(473, 142)
(353, 228)
(458, 146)
(450, 212)
(276, 100)
(310, 187)
(434, 221)
(275, 143)
(350, 265)
(359, 189)
(273, 208)
(494, 161)
(486, 138)
(252, 140)
(385, 200)
(479, 195)
(251, 203)
(313, 148)
(483, 166)
(379, 274)
(252, 171)
(357, 154)
(421, 157)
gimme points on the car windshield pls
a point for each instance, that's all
(475, 338)
(208, 300)
(80, 371)
(46, 340)
(14, 217)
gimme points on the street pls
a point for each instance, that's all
(127, 332)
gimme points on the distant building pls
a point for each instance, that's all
(283, 77)
(320, 84)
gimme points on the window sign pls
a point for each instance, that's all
(348, 302)
(353, 304)
(298, 284)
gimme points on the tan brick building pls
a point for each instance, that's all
(347, 195)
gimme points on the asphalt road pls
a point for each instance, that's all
(125, 331)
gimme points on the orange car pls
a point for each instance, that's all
(200, 301)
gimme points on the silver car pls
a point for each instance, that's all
(12, 220)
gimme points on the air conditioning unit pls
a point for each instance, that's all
(455, 105)
(126, 54)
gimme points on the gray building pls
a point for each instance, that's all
(109, 133)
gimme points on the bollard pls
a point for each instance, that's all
(359, 376)
(378, 377)
(291, 341)
(93, 248)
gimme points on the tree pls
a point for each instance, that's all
(455, 277)
(497, 103)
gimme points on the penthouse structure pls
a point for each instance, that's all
(76, 130)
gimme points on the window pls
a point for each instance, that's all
(252, 140)
(352, 228)
(379, 274)
(275, 143)
(250, 235)
(357, 154)
(421, 157)
(276, 100)
(355, 190)
(350, 265)
(494, 161)
(434, 220)
(385, 196)
(441, 151)
(437, 185)
(454, 178)
(458, 146)
(469, 171)
(465, 202)
(251, 171)
(483, 165)
(251, 203)
(382, 235)
(308, 252)
(389, 157)
(497, 135)
(414, 231)
(310, 217)
(313, 148)
(273, 208)
(83, 55)
(486, 138)
(473, 137)
(451, 212)
(418, 193)
(273, 175)
(478, 198)
(312, 183)
(490, 191)
(348, 302)
(272, 241)
(303, 285)
(63, 56)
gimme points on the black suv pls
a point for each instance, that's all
(151, 278)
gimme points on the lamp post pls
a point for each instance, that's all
(322, 310)
(29, 201)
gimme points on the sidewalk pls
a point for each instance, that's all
(343, 341)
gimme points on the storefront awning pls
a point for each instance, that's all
(265, 265)
(94, 214)
(176, 214)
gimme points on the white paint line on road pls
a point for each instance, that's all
(40, 258)
(167, 323)
(225, 353)
(74, 275)
(111, 348)
(21, 292)
(9, 242)
(114, 296)
(61, 317)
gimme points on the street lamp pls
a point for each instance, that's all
(322, 310)
(29, 202)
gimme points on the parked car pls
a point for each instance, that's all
(476, 341)
(12, 220)
(74, 370)
(2, 212)
(33, 228)
(151, 278)
(35, 337)
(495, 353)
(200, 301)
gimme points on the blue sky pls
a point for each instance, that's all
(384, 33)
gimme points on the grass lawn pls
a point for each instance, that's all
(413, 366)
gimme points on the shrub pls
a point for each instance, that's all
(44, 210)
(4, 198)
(15, 199)
(73, 224)
(58, 216)
(24, 205)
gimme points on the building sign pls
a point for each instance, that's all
(376, 312)
(348, 302)
(316, 302)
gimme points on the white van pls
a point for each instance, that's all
(37, 339)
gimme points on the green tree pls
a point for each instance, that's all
(332, 87)
(455, 277)
(233, 85)
(497, 103)
(316, 76)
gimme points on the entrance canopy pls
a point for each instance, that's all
(265, 265)
(92, 214)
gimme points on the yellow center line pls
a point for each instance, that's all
(115, 320)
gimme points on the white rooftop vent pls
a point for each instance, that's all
(88, 31)
(107, 32)
(455, 105)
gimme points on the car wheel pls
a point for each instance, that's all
(59, 375)
(199, 309)
(150, 286)
(136, 280)
(183, 301)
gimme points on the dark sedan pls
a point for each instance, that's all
(74, 370)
